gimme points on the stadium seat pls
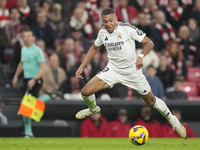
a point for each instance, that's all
(194, 98)
(193, 74)
(198, 85)
(190, 88)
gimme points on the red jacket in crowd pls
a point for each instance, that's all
(168, 131)
(131, 11)
(118, 129)
(89, 129)
(153, 126)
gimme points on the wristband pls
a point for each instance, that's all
(141, 55)
(35, 79)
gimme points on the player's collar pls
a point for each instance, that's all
(117, 26)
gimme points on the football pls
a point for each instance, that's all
(138, 135)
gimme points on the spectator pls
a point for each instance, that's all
(177, 94)
(120, 127)
(3, 118)
(81, 43)
(91, 4)
(142, 23)
(80, 21)
(95, 126)
(93, 17)
(163, 33)
(154, 82)
(165, 73)
(125, 13)
(194, 30)
(151, 59)
(12, 29)
(53, 13)
(4, 14)
(176, 60)
(71, 87)
(40, 43)
(67, 57)
(10, 34)
(42, 29)
(168, 131)
(174, 14)
(90, 69)
(195, 11)
(27, 14)
(163, 3)
(55, 17)
(11, 4)
(104, 59)
(44, 6)
(53, 77)
(147, 120)
(187, 46)
(103, 5)
(150, 8)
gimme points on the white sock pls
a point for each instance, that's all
(164, 110)
(90, 101)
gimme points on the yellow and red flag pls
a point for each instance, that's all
(31, 107)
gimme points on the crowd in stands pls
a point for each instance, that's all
(97, 126)
(66, 30)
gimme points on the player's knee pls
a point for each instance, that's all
(85, 92)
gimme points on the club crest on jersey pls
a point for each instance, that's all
(119, 36)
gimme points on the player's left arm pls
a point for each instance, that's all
(148, 45)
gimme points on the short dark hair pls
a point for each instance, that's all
(24, 27)
(150, 66)
(108, 11)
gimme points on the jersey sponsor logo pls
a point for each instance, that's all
(106, 39)
(114, 46)
(119, 36)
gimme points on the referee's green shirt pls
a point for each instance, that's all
(31, 58)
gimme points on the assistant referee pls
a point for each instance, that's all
(33, 65)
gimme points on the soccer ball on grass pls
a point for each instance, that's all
(138, 135)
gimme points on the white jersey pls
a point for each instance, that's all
(120, 45)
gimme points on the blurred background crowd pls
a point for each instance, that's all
(65, 30)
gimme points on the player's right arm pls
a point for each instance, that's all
(17, 73)
(90, 54)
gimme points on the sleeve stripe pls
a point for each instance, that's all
(127, 24)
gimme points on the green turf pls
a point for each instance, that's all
(96, 144)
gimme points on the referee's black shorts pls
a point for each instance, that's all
(36, 88)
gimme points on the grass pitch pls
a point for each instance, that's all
(97, 144)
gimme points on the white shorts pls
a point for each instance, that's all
(136, 80)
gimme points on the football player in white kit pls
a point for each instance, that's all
(124, 67)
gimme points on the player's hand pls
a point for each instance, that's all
(78, 73)
(14, 82)
(31, 83)
(139, 63)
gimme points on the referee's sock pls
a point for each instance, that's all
(90, 101)
(164, 110)
(27, 126)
